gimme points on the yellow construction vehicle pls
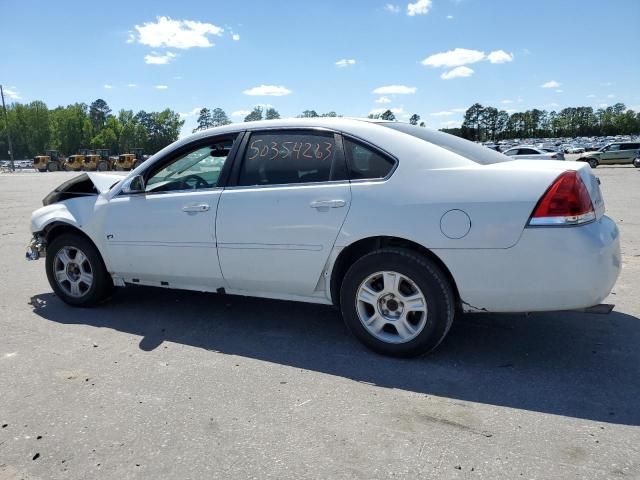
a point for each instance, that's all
(129, 161)
(51, 161)
(77, 162)
(105, 162)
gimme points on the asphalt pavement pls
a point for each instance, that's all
(170, 384)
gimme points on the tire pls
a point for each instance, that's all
(593, 163)
(86, 293)
(427, 324)
(52, 167)
(102, 166)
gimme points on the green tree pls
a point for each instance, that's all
(204, 120)
(219, 118)
(415, 118)
(271, 114)
(99, 111)
(388, 115)
(256, 114)
(308, 114)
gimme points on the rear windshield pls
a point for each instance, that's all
(465, 148)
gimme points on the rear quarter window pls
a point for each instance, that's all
(366, 163)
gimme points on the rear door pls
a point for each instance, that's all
(612, 154)
(279, 218)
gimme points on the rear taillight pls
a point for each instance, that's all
(566, 202)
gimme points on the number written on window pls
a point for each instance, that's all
(287, 157)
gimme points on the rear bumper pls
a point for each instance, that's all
(557, 268)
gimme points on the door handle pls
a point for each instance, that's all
(327, 204)
(195, 208)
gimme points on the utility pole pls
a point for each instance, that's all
(6, 123)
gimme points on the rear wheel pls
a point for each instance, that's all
(397, 302)
(593, 163)
(53, 167)
(102, 166)
(76, 272)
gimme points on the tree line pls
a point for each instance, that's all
(489, 123)
(35, 128)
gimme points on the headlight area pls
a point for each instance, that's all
(37, 247)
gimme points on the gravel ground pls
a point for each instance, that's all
(168, 384)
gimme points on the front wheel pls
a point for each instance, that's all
(76, 272)
(593, 163)
(397, 302)
(52, 167)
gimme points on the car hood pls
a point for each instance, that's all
(87, 184)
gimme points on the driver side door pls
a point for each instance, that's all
(166, 235)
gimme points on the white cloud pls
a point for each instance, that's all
(551, 84)
(107, 86)
(592, 95)
(457, 72)
(606, 84)
(603, 105)
(500, 56)
(132, 85)
(390, 7)
(169, 33)
(345, 62)
(235, 37)
(454, 58)
(611, 95)
(158, 59)
(395, 90)
(450, 124)
(459, 110)
(11, 93)
(383, 99)
(240, 113)
(510, 110)
(192, 113)
(559, 90)
(421, 7)
(449, 17)
(270, 90)
(441, 114)
(378, 111)
(506, 102)
(161, 87)
(551, 105)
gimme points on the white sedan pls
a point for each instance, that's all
(532, 153)
(399, 226)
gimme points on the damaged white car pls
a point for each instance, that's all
(399, 226)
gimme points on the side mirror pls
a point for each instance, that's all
(135, 185)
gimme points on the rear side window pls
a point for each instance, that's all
(275, 158)
(630, 146)
(364, 162)
(528, 151)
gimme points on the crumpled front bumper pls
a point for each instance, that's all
(37, 248)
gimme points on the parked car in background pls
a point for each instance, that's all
(282, 209)
(573, 149)
(614, 153)
(527, 152)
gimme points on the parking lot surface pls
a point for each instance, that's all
(169, 384)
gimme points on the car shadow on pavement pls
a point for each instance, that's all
(563, 363)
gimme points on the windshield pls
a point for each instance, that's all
(465, 148)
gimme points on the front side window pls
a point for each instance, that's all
(528, 151)
(513, 151)
(197, 169)
(366, 163)
(613, 148)
(275, 158)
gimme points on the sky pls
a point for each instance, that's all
(355, 57)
